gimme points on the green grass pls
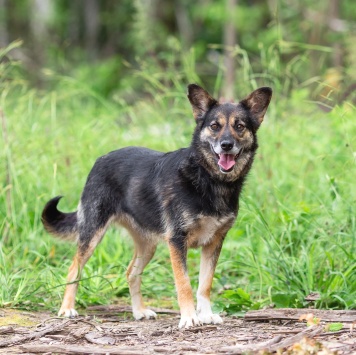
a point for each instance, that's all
(297, 223)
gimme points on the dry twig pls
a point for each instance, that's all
(34, 335)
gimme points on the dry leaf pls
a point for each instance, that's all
(309, 317)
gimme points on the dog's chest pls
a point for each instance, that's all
(206, 228)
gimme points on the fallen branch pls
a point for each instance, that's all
(124, 309)
(309, 332)
(294, 314)
(34, 335)
(274, 344)
(74, 349)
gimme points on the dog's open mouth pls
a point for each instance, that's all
(226, 161)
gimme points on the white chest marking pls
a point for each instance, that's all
(205, 228)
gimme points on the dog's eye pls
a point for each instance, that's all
(214, 126)
(240, 127)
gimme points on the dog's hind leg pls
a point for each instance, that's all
(144, 251)
(84, 252)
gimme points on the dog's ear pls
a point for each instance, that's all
(257, 103)
(200, 100)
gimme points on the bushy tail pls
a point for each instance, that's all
(62, 225)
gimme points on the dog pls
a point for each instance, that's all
(188, 197)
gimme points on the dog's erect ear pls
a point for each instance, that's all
(257, 103)
(200, 100)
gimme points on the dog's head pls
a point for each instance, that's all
(226, 132)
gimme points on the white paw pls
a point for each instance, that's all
(210, 318)
(144, 313)
(188, 321)
(68, 313)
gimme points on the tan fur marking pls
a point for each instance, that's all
(184, 289)
(205, 134)
(245, 137)
(207, 266)
(204, 228)
(135, 230)
(145, 247)
(143, 253)
(221, 119)
(232, 120)
(75, 270)
(71, 288)
(209, 258)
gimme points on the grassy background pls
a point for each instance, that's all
(297, 223)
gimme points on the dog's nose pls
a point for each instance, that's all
(226, 145)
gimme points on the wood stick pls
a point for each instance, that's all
(309, 332)
(252, 347)
(75, 349)
(294, 314)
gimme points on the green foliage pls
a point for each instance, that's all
(286, 300)
(236, 302)
(302, 40)
(296, 227)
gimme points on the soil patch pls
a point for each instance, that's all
(111, 330)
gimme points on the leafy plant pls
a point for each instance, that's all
(237, 302)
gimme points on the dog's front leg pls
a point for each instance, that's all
(209, 258)
(178, 253)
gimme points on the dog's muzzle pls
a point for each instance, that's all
(227, 161)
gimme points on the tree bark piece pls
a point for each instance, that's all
(75, 349)
(294, 314)
(100, 339)
(34, 335)
(6, 329)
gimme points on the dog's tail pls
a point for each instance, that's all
(62, 225)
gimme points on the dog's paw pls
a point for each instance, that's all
(209, 318)
(68, 313)
(189, 321)
(144, 313)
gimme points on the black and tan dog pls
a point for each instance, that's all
(188, 197)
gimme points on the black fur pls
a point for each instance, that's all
(59, 223)
(167, 195)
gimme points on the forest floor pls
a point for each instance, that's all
(111, 330)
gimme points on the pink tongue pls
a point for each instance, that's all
(226, 161)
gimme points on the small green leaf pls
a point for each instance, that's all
(334, 327)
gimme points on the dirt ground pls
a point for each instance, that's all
(111, 330)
